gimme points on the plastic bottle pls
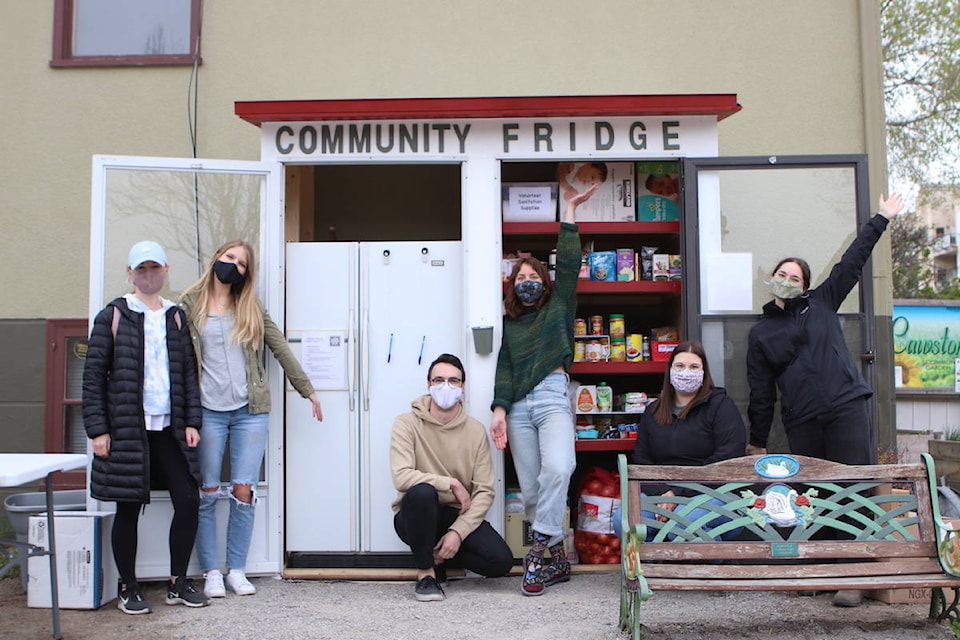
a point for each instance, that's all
(646, 348)
(604, 397)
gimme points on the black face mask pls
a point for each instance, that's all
(227, 272)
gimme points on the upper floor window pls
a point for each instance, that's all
(90, 33)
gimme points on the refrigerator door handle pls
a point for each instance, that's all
(351, 364)
(365, 348)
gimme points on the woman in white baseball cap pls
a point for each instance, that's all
(141, 408)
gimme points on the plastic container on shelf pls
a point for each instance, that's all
(604, 398)
(618, 350)
(616, 325)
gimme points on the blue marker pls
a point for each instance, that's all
(420, 357)
(390, 348)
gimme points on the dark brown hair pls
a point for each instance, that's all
(446, 358)
(668, 396)
(511, 303)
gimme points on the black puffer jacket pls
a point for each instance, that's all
(801, 348)
(113, 400)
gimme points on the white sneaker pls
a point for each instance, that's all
(213, 584)
(238, 583)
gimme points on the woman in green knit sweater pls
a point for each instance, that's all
(531, 403)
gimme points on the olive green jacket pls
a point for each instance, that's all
(258, 388)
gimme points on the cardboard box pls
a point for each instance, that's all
(529, 201)
(614, 199)
(661, 266)
(901, 596)
(519, 533)
(658, 191)
(86, 574)
(660, 350)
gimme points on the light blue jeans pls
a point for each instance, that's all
(247, 436)
(540, 431)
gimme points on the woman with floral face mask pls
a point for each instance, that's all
(798, 346)
(692, 423)
(531, 403)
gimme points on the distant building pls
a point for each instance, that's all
(939, 211)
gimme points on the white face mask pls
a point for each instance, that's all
(446, 395)
(686, 380)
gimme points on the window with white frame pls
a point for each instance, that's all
(126, 32)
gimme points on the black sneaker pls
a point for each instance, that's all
(428, 590)
(131, 601)
(183, 592)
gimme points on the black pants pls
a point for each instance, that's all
(169, 466)
(841, 434)
(421, 522)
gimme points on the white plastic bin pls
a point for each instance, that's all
(20, 506)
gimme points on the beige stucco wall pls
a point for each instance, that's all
(796, 68)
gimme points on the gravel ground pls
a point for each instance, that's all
(585, 608)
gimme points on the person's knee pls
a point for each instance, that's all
(243, 493)
(422, 493)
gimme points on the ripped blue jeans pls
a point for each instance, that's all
(246, 434)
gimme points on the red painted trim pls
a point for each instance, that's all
(258, 112)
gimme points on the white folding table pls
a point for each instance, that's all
(20, 468)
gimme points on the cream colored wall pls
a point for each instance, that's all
(795, 67)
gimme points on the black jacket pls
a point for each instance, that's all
(801, 348)
(113, 400)
(711, 432)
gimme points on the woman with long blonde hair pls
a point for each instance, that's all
(230, 328)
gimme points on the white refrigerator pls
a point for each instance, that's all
(366, 319)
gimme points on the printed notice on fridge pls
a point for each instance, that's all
(728, 286)
(323, 355)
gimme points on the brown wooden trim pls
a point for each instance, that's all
(62, 57)
(258, 112)
(54, 432)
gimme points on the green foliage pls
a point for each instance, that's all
(921, 64)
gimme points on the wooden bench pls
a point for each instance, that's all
(895, 540)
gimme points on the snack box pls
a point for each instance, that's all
(676, 267)
(529, 201)
(625, 264)
(613, 200)
(661, 266)
(585, 398)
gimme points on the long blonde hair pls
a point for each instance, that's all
(248, 324)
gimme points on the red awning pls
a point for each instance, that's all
(260, 111)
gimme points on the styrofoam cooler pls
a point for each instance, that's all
(86, 573)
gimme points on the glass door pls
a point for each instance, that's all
(741, 217)
(192, 206)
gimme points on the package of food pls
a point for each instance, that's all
(661, 266)
(676, 267)
(603, 266)
(624, 264)
(586, 398)
(646, 262)
(663, 334)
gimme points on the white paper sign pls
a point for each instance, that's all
(323, 355)
(530, 200)
(729, 282)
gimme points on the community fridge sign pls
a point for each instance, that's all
(926, 348)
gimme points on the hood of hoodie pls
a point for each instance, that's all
(421, 408)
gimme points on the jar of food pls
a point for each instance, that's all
(634, 347)
(596, 325)
(579, 350)
(579, 327)
(618, 350)
(594, 352)
(616, 325)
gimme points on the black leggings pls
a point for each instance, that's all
(421, 522)
(169, 466)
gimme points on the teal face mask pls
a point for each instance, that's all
(785, 289)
